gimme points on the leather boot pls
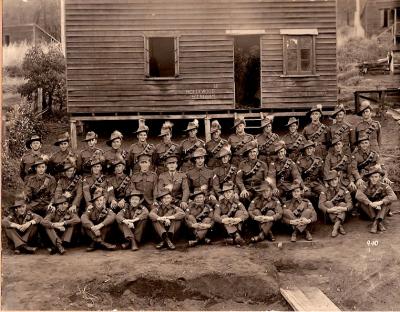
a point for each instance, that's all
(294, 236)
(160, 244)
(134, 245)
(336, 229)
(271, 236)
(91, 247)
(169, 242)
(308, 235)
(341, 230)
(238, 239)
(229, 240)
(60, 248)
(193, 243)
(374, 227)
(381, 227)
(108, 246)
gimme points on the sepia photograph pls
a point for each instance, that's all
(200, 155)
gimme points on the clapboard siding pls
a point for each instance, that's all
(105, 53)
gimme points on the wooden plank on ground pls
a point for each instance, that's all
(308, 299)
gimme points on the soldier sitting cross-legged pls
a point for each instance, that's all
(199, 218)
(265, 210)
(230, 213)
(132, 219)
(166, 218)
(97, 221)
(20, 226)
(60, 225)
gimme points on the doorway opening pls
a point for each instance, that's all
(247, 71)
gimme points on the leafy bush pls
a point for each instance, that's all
(46, 70)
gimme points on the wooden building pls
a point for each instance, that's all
(31, 33)
(134, 57)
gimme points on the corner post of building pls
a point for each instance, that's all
(74, 140)
(207, 128)
(357, 101)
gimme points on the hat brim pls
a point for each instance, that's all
(190, 128)
(228, 189)
(29, 142)
(291, 123)
(307, 145)
(314, 110)
(37, 164)
(337, 112)
(360, 112)
(195, 194)
(60, 141)
(88, 139)
(16, 206)
(373, 172)
(235, 124)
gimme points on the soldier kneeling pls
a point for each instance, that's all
(199, 218)
(299, 213)
(265, 210)
(335, 201)
(21, 226)
(132, 219)
(167, 219)
(60, 225)
(97, 221)
(375, 198)
(231, 213)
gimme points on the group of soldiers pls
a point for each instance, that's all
(225, 185)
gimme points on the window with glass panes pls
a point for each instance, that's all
(299, 54)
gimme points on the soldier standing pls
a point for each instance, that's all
(284, 171)
(144, 180)
(225, 172)
(317, 131)
(189, 145)
(132, 219)
(199, 218)
(40, 188)
(375, 198)
(299, 213)
(341, 129)
(86, 155)
(118, 185)
(238, 140)
(265, 210)
(165, 148)
(293, 139)
(215, 145)
(60, 225)
(64, 155)
(175, 181)
(20, 226)
(141, 147)
(230, 213)
(97, 221)
(251, 173)
(266, 140)
(115, 152)
(336, 202)
(369, 127)
(311, 170)
(94, 181)
(34, 143)
(166, 219)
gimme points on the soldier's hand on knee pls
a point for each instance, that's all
(184, 205)
(352, 187)
(72, 209)
(244, 194)
(386, 180)
(360, 183)
(167, 222)
(121, 203)
(275, 191)
(114, 204)
(51, 208)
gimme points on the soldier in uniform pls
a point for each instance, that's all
(94, 181)
(311, 170)
(69, 185)
(251, 173)
(293, 139)
(165, 148)
(189, 145)
(201, 177)
(335, 201)
(132, 219)
(238, 140)
(175, 181)
(86, 155)
(40, 188)
(284, 171)
(141, 147)
(144, 180)
(59, 158)
(230, 213)
(118, 185)
(266, 140)
(265, 210)
(20, 226)
(215, 145)
(115, 152)
(299, 213)
(60, 225)
(375, 198)
(34, 143)
(97, 221)
(199, 218)
(317, 131)
(341, 129)
(225, 172)
(369, 127)
(338, 160)
(166, 219)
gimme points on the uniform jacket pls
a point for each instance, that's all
(57, 160)
(135, 150)
(266, 144)
(237, 142)
(39, 189)
(162, 152)
(341, 162)
(179, 182)
(222, 174)
(297, 206)
(13, 218)
(188, 146)
(285, 171)
(199, 214)
(27, 160)
(72, 187)
(318, 133)
(251, 173)
(201, 176)
(91, 183)
(311, 168)
(335, 196)
(146, 182)
(259, 206)
(84, 157)
(95, 216)
(118, 185)
(231, 208)
(345, 131)
(166, 211)
(56, 216)
(112, 155)
(129, 212)
(371, 193)
(293, 144)
(213, 147)
(361, 160)
(371, 128)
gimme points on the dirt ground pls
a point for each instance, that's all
(358, 271)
